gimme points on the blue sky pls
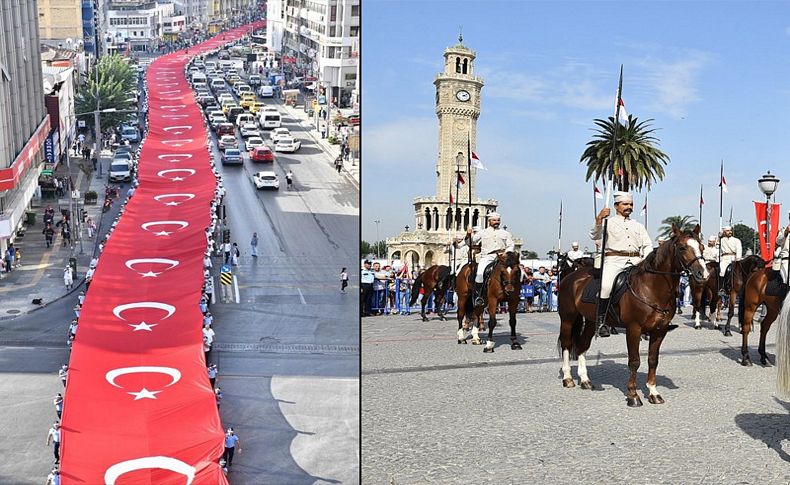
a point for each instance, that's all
(715, 77)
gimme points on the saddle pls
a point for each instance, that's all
(775, 286)
(486, 274)
(591, 291)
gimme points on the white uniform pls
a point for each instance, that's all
(461, 255)
(710, 254)
(573, 255)
(731, 251)
(782, 255)
(492, 242)
(627, 237)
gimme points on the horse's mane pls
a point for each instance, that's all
(749, 263)
(658, 258)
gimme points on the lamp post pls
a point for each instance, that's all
(377, 221)
(767, 185)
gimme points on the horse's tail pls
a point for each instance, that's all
(415, 290)
(783, 350)
(443, 277)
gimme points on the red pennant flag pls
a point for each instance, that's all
(461, 180)
(598, 194)
(451, 197)
(623, 115)
(723, 184)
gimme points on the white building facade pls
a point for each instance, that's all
(136, 24)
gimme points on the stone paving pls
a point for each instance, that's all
(434, 411)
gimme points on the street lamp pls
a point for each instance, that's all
(767, 185)
(377, 221)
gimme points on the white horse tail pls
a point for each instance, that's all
(783, 350)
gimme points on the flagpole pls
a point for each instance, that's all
(730, 223)
(700, 206)
(610, 182)
(469, 174)
(455, 211)
(595, 200)
(647, 207)
(721, 205)
(559, 236)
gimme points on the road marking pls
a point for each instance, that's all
(301, 297)
(236, 289)
(286, 348)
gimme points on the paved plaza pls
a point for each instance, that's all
(434, 411)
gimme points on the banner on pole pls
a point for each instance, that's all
(760, 209)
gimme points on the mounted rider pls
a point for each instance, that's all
(574, 254)
(627, 243)
(782, 254)
(460, 246)
(731, 251)
(493, 241)
(711, 251)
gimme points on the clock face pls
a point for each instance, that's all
(463, 95)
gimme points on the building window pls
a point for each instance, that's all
(353, 31)
(355, 10)
(333, 13)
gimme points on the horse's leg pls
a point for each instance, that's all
(492, 307)
(463, 326)
(746, 327)
(565, 342)
(696, 297)
(730, 313)
(584, 344)
(423, 301)
(765, 326)
(653, 396)
(441, 300)
(511, 308)
(633, 337)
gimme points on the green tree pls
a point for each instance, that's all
(114, 85)
(527, 254)
(684, 223)
(746, 234)
(637, 163)
(367, 249)
(552, 254)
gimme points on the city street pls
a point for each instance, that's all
(434, 411)
(288, 353)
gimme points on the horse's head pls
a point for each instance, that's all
(688, 253)
(509, 272)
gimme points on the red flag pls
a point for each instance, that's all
(723, 184)
(623, 114)
(475, 162)
(598, 194)
(451, 196)
(461, 180)
(760, 208)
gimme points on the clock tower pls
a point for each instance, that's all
(458, 107)
(437, 220)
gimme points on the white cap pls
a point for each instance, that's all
(475, 228)
(712, 238)
(575, 243)
(494, 215)
(726, 228)
(622, 197)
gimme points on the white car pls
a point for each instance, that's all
(287, 144)
(225, 96)
(253, 142)
(278, 133)
(266, 180)
(266, 91)
(228, 141)
(250, 129)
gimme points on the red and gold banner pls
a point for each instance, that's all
(760, 209)
(139, 408)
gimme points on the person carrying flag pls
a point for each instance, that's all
(627, 243)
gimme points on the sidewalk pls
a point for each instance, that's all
(350, 167)
(40, 274)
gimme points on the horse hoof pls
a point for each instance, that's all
(746, 361)
(424, 319)
(634, 402)
(655, 399)
(515, 346)
(586, 385)
(613, 331)
(568, 383)
(487, 350)
(727, 333)
(765, 362)
(697, 327)
(462, 342)
(475, 341)
(443, 318)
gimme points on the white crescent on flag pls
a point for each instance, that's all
(118, 310)
(172, 263)
(177, 143)
(146, 225)
(159, 198)
(162, 462)
(177, 130)
(179, 156)
(174, 374)
(190, 171)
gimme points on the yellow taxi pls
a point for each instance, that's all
(227, 106)
(255, 107)
(247, 100)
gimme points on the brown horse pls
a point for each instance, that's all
(565, 267)
(754, 295)
(437, 280)
(504, 284)
(708, 289)
(734, 284)
(647, 305)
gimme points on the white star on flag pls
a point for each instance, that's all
(149, 274)
(162, 233)
(171, 203)
(178, 179)
(143, 326)
(144, 394)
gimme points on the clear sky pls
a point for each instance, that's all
(715, 77)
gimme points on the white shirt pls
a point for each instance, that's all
(53, 479)
(624, 235)
(209, 334)
(492, 241)
(575, 254)
(731, 245)
(54, 434)
(711, 253)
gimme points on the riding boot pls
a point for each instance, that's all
(478, 295)
(600, 319)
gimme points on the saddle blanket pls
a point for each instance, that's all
(775, 286)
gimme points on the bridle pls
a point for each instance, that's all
(515, 275)
(686, 268)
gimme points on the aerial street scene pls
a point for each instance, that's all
(179, 217)
(575, 243)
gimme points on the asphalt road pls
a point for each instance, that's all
(437, 412)
(288, 353)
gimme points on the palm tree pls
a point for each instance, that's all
(638, 162)
(684, 223)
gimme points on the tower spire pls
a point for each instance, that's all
(461, 34)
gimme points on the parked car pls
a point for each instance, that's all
(120, 170)
(266, 180)
(228, 141)
(232, 156)
(130, 133)
(262, 154)
(253, 142)
(249, 129)
(287, 144)
(278, 133)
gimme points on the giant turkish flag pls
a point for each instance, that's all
(139, 408)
